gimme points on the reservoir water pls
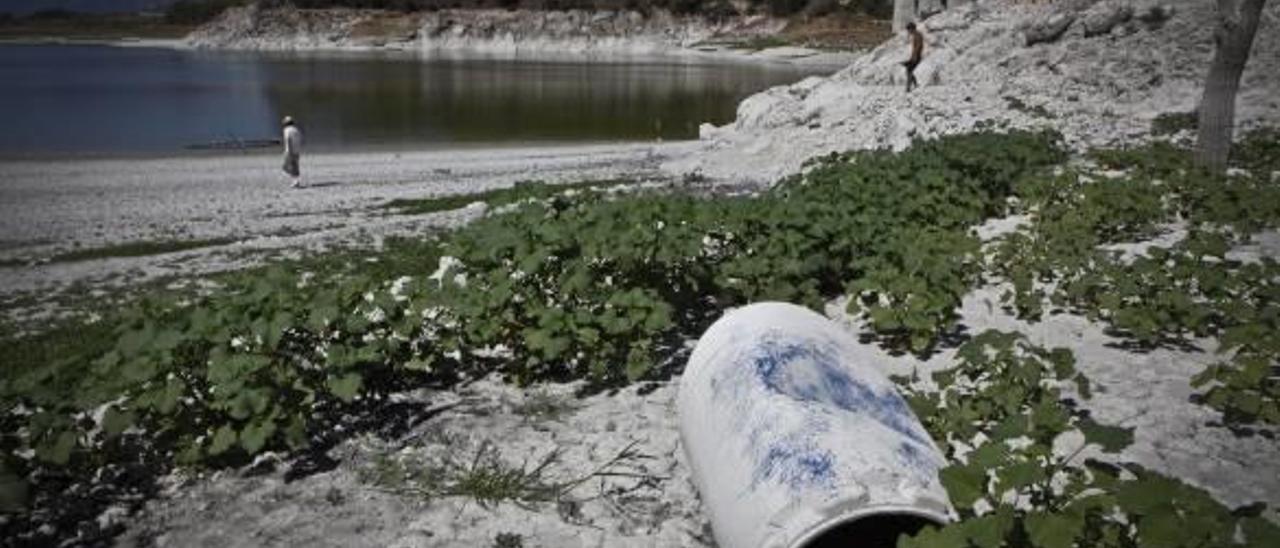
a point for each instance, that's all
(99, 100)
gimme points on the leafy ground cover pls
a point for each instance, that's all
(607, 286)
(1066, 259)
(1026, 468)
(598, 285)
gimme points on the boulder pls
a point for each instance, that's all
(1048, 30)
(1104, 17)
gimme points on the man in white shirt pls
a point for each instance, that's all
(292, 150)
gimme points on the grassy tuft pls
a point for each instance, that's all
(1170, 123)
(490, 481)
(487, 478)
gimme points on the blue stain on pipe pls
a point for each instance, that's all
(825, 381)
(808, 371)
(918, 461)
(796, 466)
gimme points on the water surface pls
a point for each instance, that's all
(73, 99)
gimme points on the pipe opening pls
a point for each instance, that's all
(876, 531)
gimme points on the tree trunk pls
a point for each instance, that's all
(1237, 23)
(904, 11)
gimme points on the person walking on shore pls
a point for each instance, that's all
(917, 51)
(292, 150)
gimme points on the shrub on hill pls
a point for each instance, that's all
(196, 12)
(199, 11)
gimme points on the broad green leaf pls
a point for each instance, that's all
(989, 456)
(1053, 530)
(989, 531)
(320, 316)
(1020, 475)
(1150, 494)
(1112, 438)
(295, 432)
(280, 322)
(115, 421)
(345, 387)
(420, 363)
(223, 438)
(248, 402)
(167, 399)
(964, 484)
(134, 341)
(57, 450)
(139, 369)
(638, 363)
(167, 339)
(932, 537)
(226, 368)
(254, 436)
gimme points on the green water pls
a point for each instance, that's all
(105, 100)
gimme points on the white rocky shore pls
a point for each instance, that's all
(1111, 71)
(521, 34)
(244, 204)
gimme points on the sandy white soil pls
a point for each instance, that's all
(50, 207)
(655, 504)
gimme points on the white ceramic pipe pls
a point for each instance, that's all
(792, 441)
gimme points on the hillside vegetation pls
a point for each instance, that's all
(66, 24)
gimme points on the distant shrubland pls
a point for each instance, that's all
(200, 11)
(195, 12)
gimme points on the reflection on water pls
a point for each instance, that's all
(101, 100)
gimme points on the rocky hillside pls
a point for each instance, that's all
(491, 31)
(1098, 71)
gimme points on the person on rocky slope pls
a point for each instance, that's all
(917, 51)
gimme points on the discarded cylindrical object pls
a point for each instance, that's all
(794, 443)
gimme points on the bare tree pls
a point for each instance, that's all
(904, 11)
(1237, 23)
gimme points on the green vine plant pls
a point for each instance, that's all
(1179, 295)
(596, 285)
(1030, 469)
